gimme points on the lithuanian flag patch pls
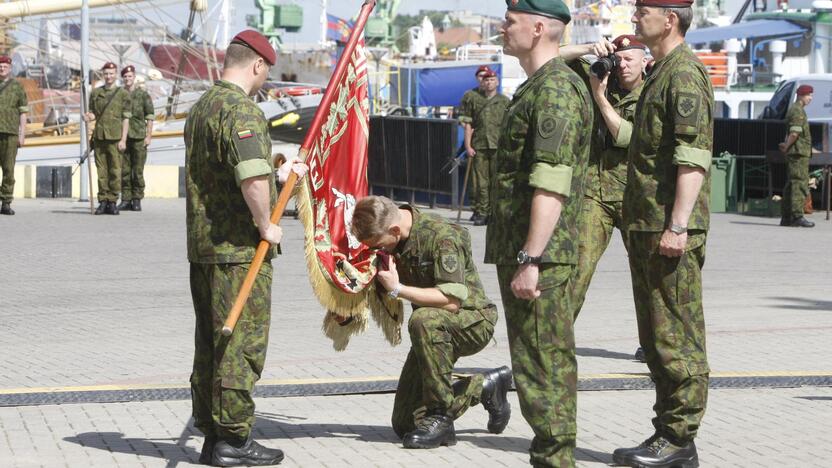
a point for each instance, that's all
(243, 134)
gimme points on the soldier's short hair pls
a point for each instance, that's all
(685, 15)
(238, 55)
(373, 216)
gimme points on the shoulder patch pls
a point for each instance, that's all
(450, 262)
(244, 134)
(687, 104)
(550, 131)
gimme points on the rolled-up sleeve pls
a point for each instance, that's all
(692, 118)
(625, 133)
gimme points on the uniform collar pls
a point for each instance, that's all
(412, 242)
(542, 71)
(676, 52)
(230, 85)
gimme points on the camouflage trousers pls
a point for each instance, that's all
(226, 368)
(108, 166)
(438, 339)
(481, 181)
(8, 155)
(132, 169)
(797, 187)
(595, 225)
(542, 345)
(671, 329)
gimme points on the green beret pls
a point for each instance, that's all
(550, 8)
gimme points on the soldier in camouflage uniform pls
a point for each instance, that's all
(14, 108)
(666, 214)
(230, 190)
(798, 150)
(481, 143)
(138, 139)
(110, 109)
(532, 237)
(615, 103)
(472, 101)
(431, 266)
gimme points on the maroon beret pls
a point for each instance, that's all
(5, 59)
(490, 74)
(258, 43)
(481, 69)
(664, 3)
(805, 89)
(128, 69)
(626, 42)
(109, 66)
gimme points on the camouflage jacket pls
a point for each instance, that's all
(544, 144)
(606, 176)
(437, 254)
(673, 126)
(470, 104)
(226, 142)
(108, 124)
(797, 122)
(13, 102)
(487, 122)
(141, 110)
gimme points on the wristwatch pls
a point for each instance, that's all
(523, 258)
(394, 293)
(677, 228)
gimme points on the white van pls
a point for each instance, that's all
(820, 109)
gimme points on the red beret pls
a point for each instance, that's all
(481, 69)
(805, 89)
(109, 66)
(664, 3)
(258, 43)
(128, 69)
(490, 74)
(626, 42)
(5, 59)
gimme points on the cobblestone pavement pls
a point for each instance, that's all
(104, 301)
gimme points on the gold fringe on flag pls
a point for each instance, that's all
(347, 313)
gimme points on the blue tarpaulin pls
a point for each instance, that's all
(745, 30)
(441, 84)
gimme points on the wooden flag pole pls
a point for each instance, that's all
(286, 193)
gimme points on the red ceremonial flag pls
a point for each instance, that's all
(341, 269)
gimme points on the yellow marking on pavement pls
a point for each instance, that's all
(279, 382)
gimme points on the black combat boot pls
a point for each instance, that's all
(622, 456)
(125, 205)
(639, 355)
(103, 208)
(137, 204)
(431, 431)
(785, 221)
(6, 209)
(661, 453)
(207, 450)
(113, 208)
(244, 453)
(802, 222)
(474, 216)
(494, 390)
(481, 221)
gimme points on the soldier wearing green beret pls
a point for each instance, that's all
(430, 264)
(667, 218)
(532, 237)
(110, 109)
(14, 109)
